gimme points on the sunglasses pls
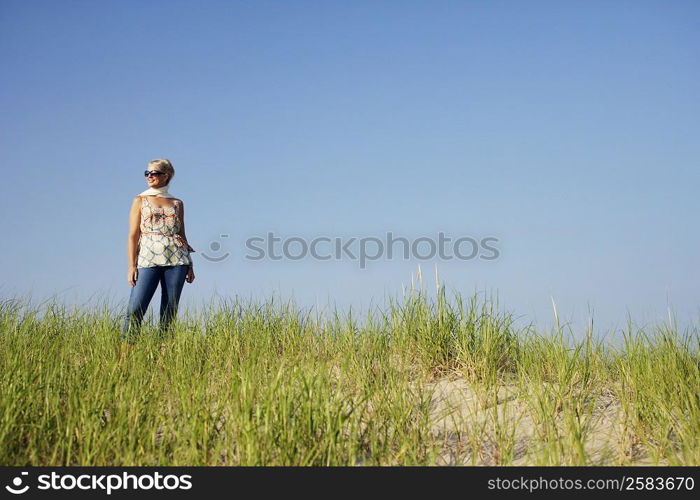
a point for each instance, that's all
(153, 172)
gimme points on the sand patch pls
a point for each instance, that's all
(512, 425)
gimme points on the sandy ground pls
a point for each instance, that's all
(473, 422)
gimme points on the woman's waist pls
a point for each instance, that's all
(176, 237)
(161, 232)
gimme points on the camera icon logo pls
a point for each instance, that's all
(17, 483)
(215, 246)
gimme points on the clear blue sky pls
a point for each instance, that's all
(568, 130)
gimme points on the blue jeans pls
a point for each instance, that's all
(171, 279)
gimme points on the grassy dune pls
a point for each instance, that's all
(423, 381)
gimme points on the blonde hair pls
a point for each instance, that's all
(165, 166)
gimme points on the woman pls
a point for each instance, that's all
(157, 248)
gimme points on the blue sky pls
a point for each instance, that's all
(567, 130)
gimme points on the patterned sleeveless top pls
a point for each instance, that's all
(160, 243)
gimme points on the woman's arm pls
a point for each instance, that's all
(182, 226)
(182, 221)
(190, 271)
(132, 244)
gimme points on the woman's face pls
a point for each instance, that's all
(156, 180)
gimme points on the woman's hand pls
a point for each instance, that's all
(190, 275)
(132, 275)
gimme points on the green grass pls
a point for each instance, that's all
(268, 384)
